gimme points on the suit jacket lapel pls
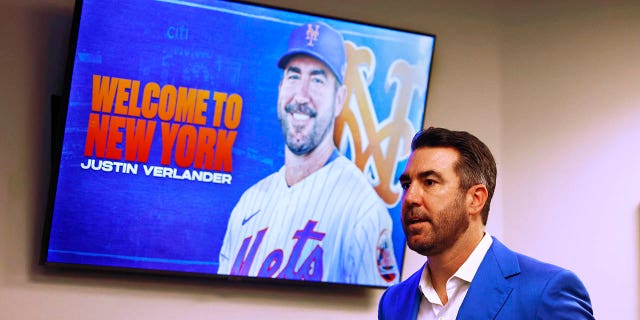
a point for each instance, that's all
(413, 298)
(489, 288)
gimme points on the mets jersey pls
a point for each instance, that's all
(329, 227)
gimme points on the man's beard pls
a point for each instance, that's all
(300, 108)
(447, 226)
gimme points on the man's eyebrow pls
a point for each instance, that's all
(422, 175)
(293, 69)
(430, 173)
(320, 72)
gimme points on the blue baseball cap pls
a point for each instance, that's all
(319, 41)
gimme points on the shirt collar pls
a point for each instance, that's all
(469, 268)
(334, 155)
(466, 271)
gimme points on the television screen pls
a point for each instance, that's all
(232, 140)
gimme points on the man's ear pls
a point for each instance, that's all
(476, 198)
(341, 95)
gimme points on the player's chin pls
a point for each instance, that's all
(414, 231)
(299, 145)
(299, 131)
(418, 227)
(421, 245)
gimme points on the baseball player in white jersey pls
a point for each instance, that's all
(317, 218)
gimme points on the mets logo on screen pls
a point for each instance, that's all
(378, 145)
(310, 269)
(312, 34)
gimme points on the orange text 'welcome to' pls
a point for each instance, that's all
(122, 126)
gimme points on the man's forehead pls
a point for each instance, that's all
(438, 159)
(303, 59)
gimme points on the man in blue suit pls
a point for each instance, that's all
(448, 184)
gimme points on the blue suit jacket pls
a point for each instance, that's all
(507, 286)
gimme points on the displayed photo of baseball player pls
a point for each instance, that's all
(317, 218)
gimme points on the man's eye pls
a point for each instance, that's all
(318, 80)
(429, 182)
(405, 185)
(293, 76)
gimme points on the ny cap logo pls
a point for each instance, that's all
(312, 34)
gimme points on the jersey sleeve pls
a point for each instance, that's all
(371, 251)
(230, 236)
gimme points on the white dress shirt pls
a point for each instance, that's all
(431, 307)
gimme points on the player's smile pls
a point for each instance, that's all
(300, 116)
(300, 112)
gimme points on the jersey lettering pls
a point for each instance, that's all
(243, 261)
(310, 269)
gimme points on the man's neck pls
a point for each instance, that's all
(443, 266)
(298, 167)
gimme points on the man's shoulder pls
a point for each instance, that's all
(344, 163)
(346, 169)
(531, 264)
(546, 276)
(540, 287)
(531, 273)
(348, 176)
(266, 184)
(511, 261)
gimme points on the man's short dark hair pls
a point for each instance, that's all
(476, 164)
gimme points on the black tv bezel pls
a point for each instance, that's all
(59, 109)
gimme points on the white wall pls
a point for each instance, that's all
(571, 142)
(553, 90)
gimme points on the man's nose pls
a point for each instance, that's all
(302, 92)
(412, 195)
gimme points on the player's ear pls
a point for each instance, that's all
(475, 199)
(341, 94)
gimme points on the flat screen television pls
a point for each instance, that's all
(234, 140)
